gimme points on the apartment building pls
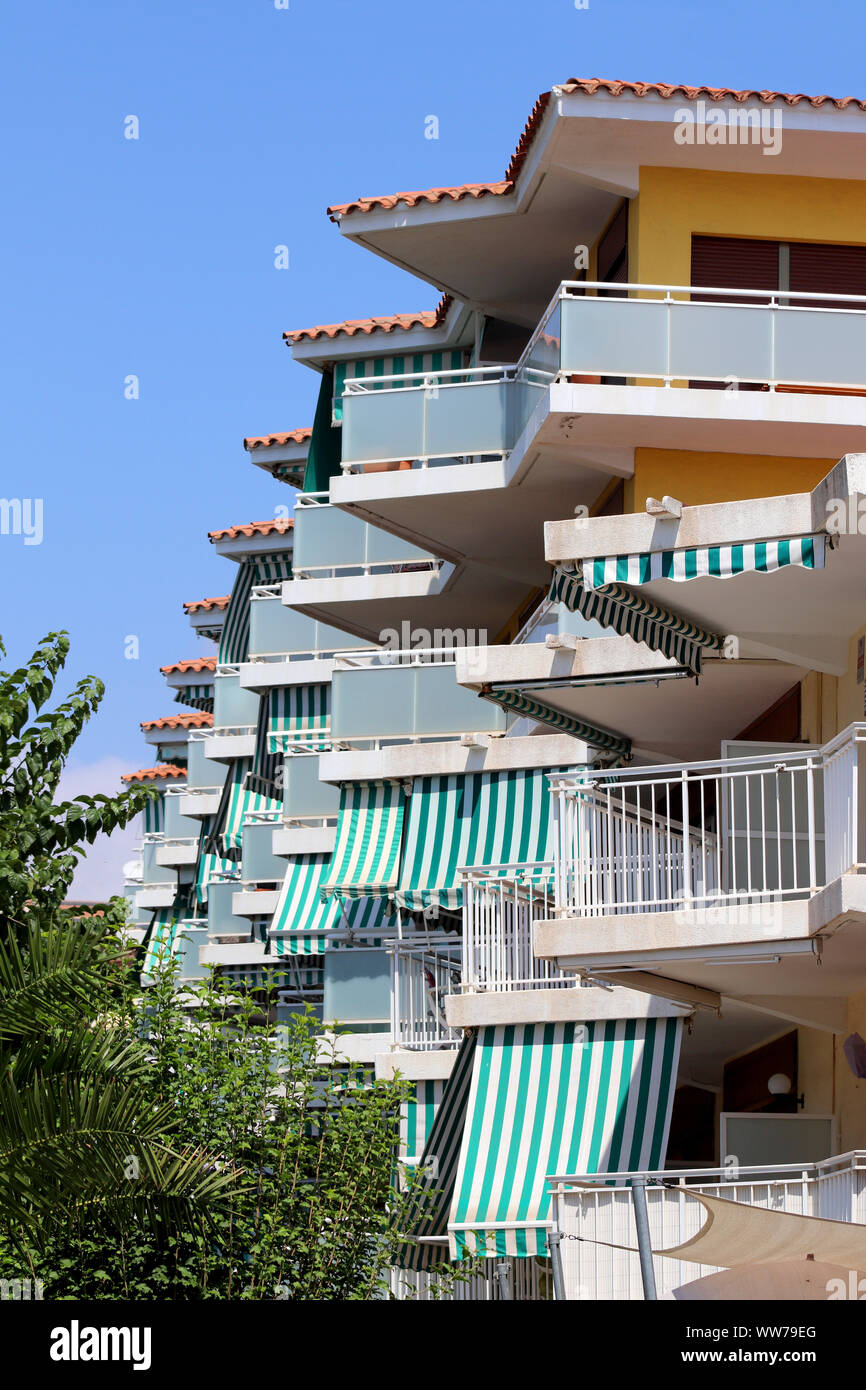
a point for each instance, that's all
(528, 749)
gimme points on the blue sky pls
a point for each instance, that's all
(155, 257)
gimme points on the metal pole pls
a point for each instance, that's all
(503, 1274)
(554, 1245)
(644, 1244)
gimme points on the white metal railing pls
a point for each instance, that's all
(789, 322)
(595, 1213)
(701, 835)
(527, 1281)
(427, 380)
(229, 730)
(500, 904)
(363, 658)
(422, 974)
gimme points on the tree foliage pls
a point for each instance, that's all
(318, 1215)
(42, 839)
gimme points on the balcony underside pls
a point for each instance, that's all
(763, 956)
(170, 856)
(489, 513)
(676, 719)
(459, 597)
(773, 423)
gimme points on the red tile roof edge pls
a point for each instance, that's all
(267, 441)
(152, 774)
(383, 323)
(588, 86)
(207, 605)
(195, 663)
(254, 528)
(189, 719)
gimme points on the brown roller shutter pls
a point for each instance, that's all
(827, 270)
(740, 263)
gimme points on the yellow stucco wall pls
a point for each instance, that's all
(674, 203)
(696, 478)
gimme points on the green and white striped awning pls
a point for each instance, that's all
(521, 703)
(373, 367)
(195, 697)
(163, 939)
(556, 1098)
(299, 716)
(210, 866)
(470, 820)
(427, 1219)
(366, 858)
(714, 561)
(261, 569)
(603, 588)
(240, 802)
(631, 615)
(416, 1118)
(302, 919)
(154, 815)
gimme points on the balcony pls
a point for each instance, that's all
(400, 696)
(236, 711)
(737, 875)
(423, 974)
(592, 385)
(798, 346)
(222, 924)
(596, 1217)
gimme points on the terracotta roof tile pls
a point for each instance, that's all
(189, 719)
(615, 88)
(267, 441)
(153, 774)
(196, 663)
(588, 86)
(208, 605)
(254, 528)
(384, 323)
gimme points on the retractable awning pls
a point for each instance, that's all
(195, 697)
(237, 802)
(301, 918)
(154, 815)
(603, 588)
(630, 615)
(556, 1097)
(472, 820)
(527, 705)
(212, 867)
(235, 636)
(701, 562)
(416, 1118)
(427, 1218)
(162, 939)
(299, 715)
(366, 858)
